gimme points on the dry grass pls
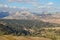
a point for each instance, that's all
(51, 20)
(5, 37)
(9, 37)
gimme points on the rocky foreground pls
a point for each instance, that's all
(9, 37)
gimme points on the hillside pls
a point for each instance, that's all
(28, 30)
(7, 37)
(28, 23)
(17, 26)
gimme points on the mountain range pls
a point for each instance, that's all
(52, 17)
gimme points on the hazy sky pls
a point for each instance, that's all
(30, 4)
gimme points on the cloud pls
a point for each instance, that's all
(24, 1)
(36, 6)
(5, 5)
(50, 3)
(14, 0)
(34, 3)
(21, 1)
(14, 7)
(1, 5)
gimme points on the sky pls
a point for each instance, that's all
(31, 4)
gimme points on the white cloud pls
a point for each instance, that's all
(33, 2)
(20, 0)
(6, 5)
(1, 5)
(50, 3)
(24, 1)
(14, 7)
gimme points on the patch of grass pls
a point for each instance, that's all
(9, 37)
